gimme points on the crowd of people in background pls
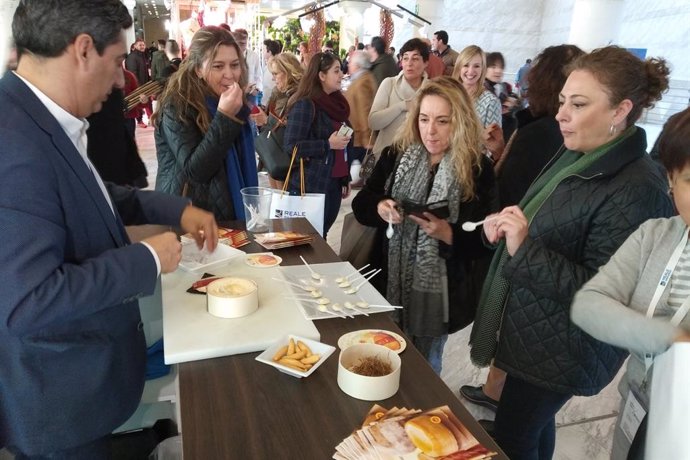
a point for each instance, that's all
(554, 160)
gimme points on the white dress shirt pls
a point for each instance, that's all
(255, 74)
(75, 128)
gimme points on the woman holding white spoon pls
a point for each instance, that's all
(439, 157)
(591, 196)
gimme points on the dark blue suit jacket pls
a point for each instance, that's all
(72, 353)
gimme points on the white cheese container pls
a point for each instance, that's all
(232, 297)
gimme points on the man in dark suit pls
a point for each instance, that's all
(72, 349)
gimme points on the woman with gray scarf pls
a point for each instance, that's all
(437, 157)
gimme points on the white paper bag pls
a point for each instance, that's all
(309, 205)
(669, 411)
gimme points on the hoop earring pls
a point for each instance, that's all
(612, 130)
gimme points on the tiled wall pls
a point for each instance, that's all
(521, 28)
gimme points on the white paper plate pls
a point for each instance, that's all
(386, 338)
(316, 347)
(263, 260)
(195, 260)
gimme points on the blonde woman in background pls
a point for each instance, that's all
(286, 72)
(470, 69)
(437, 156)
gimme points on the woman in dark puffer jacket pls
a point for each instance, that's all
(205, 146)
(589, 199)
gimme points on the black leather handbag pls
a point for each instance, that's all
(269, 145)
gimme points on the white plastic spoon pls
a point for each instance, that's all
(472, 226)
(351, 306)
(321, 301)
(314, 275)
(385, 306)
(325, 309)
(336, 307)
(312, 294)
(346, 284)
(342, 279)
(389, 231)
(354, 290)
(301, 286)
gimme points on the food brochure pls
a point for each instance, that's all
(410, 434)
(277, 240)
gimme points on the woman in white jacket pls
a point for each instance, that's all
(395, 95)
(639, 300)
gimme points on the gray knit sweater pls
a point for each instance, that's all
(612, 306)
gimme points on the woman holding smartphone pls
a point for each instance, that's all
(316, 115)
(437, 157)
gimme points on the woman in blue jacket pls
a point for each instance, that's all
(204, 144)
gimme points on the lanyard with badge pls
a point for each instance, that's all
(634, 410)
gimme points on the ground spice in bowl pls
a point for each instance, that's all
(372, 366)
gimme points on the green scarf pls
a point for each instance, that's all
(487, 323)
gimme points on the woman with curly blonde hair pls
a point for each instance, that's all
(205, 146)
(287, 73)
(438, 157)
(470, 70)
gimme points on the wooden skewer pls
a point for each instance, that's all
(152, 88)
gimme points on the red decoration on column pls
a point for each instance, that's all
(200, 13)
(387, 27)
(317, 30)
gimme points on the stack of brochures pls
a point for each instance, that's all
(277, 240)
(234, 238)
(411, 434)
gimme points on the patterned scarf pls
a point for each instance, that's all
(240, 163)
(487, 323)
(417, 277)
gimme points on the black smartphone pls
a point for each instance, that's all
(438, 209)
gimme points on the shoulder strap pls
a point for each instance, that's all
(313, 106)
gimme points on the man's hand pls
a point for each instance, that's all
(201, 225)
(168, 249)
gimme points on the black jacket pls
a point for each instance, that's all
(459, 257)
(383, 67)
(537, 140)
(137, 63)
(111, 149)
(576, 230)
(189, 159)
